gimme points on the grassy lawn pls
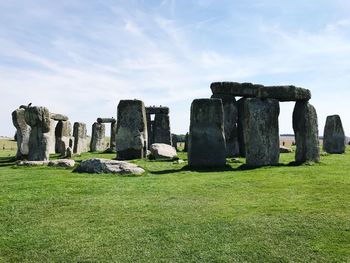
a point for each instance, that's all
(172, 214)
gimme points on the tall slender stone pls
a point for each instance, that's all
(305, 127)
(63, 133)
(22, 134)
(261, 134)
(131, 135)
(161, 129)
(80, 138)
(230, 123)
(174, 141)
(97, 143)
(334, 136)
(38, 118)
(240, 126)
(206, 141)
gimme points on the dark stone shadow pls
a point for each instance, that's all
(225, 168)
(245, 167)
(7, 161)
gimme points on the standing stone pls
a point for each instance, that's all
(334, 136)
(261, 133)
(186, 143)
(22, 134)
(174, 141)
(80, 138)
(113, 134)
(52, 136)
(306, 132)
(230, 124)
(206, 141)
(97, 143)
(161, 129)
(38, 118)
(240, 126)
(131, 138)
(149, 129)
(63, 134)
(69, 152)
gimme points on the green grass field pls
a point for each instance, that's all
(171, 214)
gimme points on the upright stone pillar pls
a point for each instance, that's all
(230, 123)
(97, 143)
(206, 141)
(240, 126)
(186, 143)
(161, 129)
(149, 129)
(305, 127)
(261, 134)
(80, 138)
(113, 135)
(131, 136)
(174, 141)
(38, 118)
(52, 136)
(22, 134)
(63, 133)
(334, 136)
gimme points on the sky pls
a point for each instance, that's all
(80, 57)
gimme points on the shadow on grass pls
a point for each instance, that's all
(7, 161)
(246, 167)
(187, 168)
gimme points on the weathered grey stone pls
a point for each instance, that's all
(206, 141)
(38, 118)
(261, 133)
(63, 134)
(22, 134)
(334, 136)
(161, 129)
(58, 117)
(284, 93)
(240, 126)
(80, 138)
(157, 110)
(97, 143)
(186, 143)
(174, 141)
(33, 163)
(131, 138)
(69, 152)
(306, 133)
(162, 151)
(62, 163)
(150, 133)
(230, 124)
(284, 149)
(113, 123)
(108, 166)
(52, 137)
(106, 120)
(249, 90)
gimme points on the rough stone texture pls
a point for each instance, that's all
(62, 163)
(162, 151)
(284, 149)
(306, 133)
(52, 137)
(38, 118)
(174, 141)
(108, 166)
(131, 138)
(230, 124)
(206, 140)
(97, 143)
(157, 110)
(63, 134)
(249, 90)
(80, 138)
(22, 133)
(58, 117)
(240, 126)
(33, 163)
(69, 152)
(150, 133)
(284, 93)
(161, 129)
(261, 134)
(186, 143)
(334, 136)
(113, 123)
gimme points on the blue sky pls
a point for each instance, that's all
(81, 57)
